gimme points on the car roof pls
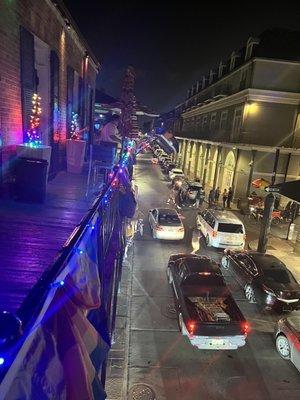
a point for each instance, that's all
(266, 261)
(169, 211)
(225, 216)
(201, 264)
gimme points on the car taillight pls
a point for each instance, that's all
(158, 227)
(191, 326)
(214, 233)
(245, 328)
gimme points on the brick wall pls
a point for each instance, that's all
(43, 20)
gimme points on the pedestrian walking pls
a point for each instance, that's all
(217, 194)
(224, 197)
(229, 197)
(211, 198)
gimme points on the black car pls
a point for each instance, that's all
(265, 279)
(207, 312)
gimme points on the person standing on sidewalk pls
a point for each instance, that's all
(217, 195)
(211, 198)
(224, 197)
(229, 197)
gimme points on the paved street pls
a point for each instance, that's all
(165, 360)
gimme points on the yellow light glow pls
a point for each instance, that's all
(252, 108)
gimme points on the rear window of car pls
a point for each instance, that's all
(169, 219)
(177, 171)
(230, 228)
(278, 275)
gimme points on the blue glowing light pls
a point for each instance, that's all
(62, 283)
(80, 251)
(2, 360)
(93, 227)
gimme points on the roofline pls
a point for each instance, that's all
(65, 13)
(252, 60)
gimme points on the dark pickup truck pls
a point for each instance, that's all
(207, 312)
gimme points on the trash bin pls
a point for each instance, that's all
(30, 180)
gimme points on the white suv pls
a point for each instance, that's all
(175, 172)
(222, 229)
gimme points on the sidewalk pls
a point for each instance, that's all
(32, 234)
(117, 363)
(284, 250)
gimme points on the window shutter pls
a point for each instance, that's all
(81, 100)
(70, 102)
(28, 76)
(54, 113)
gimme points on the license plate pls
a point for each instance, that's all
(217, 342)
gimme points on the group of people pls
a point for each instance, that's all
(214, 196)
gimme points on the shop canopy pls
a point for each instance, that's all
(288, 189)
(260, 183)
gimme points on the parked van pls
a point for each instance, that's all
(222, 229)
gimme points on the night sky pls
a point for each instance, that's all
(170, 45)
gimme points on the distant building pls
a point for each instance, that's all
(244, 115)
(43, 51)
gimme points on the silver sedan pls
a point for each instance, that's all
(287, 337)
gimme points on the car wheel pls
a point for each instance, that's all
(249, 293)
(207, 241)
(224, 262)
(170, 280)
(283, 347)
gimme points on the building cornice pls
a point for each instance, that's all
(268, 96)
(244, 146)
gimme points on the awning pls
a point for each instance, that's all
(288, 189)
(260, 183)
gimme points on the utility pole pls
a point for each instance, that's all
(266, 223)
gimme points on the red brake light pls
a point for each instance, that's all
(158, 227)
(204, 273)
(215, 233)
(245, 328)
(191, 326)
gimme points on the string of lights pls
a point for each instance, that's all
(33, 133)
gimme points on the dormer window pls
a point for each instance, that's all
(203, 82)
(211, 76)
(233, 59)
(251, 42)
(221, 69)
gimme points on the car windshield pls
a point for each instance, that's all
(169, 219)
(278, 275)
(230, 228)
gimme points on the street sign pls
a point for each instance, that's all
(272, 189)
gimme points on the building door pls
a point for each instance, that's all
(28, 76)
(54, 130)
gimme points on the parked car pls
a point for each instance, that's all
(287, 338)
(222, 229)
(265, 279)
(167, 166)
(192, 195)
(207, 313)
(176, 172)
(166, 224)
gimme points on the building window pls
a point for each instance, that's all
(204, 122)
(249, 49)
(212, 122)
(237, 122)
(223, 120)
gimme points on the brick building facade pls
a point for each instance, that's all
(42, 50)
